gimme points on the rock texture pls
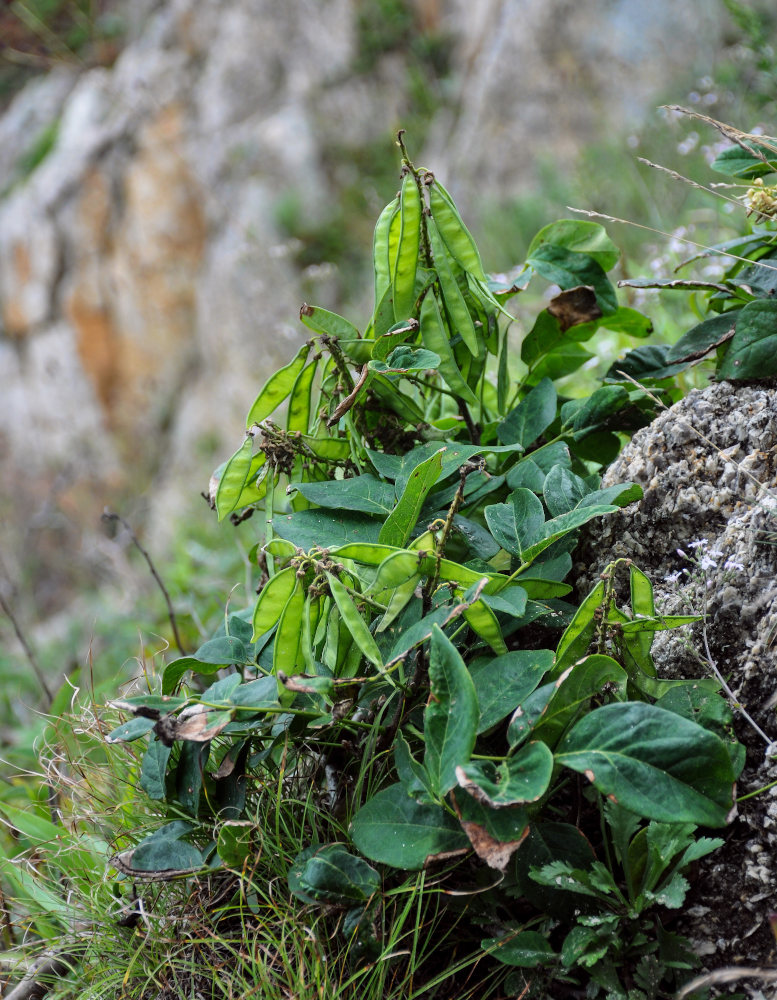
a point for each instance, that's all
(706, 534)
(146, 287)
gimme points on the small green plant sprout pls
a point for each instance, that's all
(410, 695)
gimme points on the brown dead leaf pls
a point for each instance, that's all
(495, 853)
(575, 306)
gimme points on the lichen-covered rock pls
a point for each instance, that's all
(706, 534)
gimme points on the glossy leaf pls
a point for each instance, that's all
(703, 337)
(531, 416)
(580, 236)
(309, 529)
(523, 778)
(586, 679)
(518, 524)
(328, 323)
(393, 829)
(451, 716)
(653, 762)
(752, 352)
(154, 768)
(501, 684)
(406, 359)
(398, 526)
(166, 854)
(568, 269)
(495, 834)
(131, 730)
(738, 162)
(365, 494)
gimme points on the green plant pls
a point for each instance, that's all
(392, 696)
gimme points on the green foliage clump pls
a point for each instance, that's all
(411, 743)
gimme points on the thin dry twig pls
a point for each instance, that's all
(109, 516)
(730, 974)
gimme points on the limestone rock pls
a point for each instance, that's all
(706, 534)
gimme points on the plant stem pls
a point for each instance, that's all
(108, 516)
(33, 660)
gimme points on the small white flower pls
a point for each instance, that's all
(700, 543)
(706, 563)
(673, 577)
(733, 564)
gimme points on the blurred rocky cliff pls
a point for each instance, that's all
(152, 215)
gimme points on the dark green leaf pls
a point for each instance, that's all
(530, 471)
(393, 829)
(309, 529)
(519, 779)
(738, 162)
(628, 321)
(222, 651)
(518, 524)
(568, 269)
(166, 854)
(502, 683)
(531, 416)
(451, 716)
(413, 776)
(528, 714)
(154, 768)
(562, 525)
(645, 363)
(329, 874)
(583, 237)
(586, 679)
(402, 519)
(362, 493)
(703, 337)
(653, 762)
(605, 401)
(753, 351)
(563, 490)
(495, 834)
(131, 730)
(527, 949)
(406, 359)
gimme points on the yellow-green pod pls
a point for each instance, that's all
(286, 648)
(298, 418)
(435, 338)
(239, 483)
(406, 262)
(277, 388)
(456, 306)
(380, 249)
(354, 622)
(399, 598)
(272, 600)
(482, 620)
(457, 237)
